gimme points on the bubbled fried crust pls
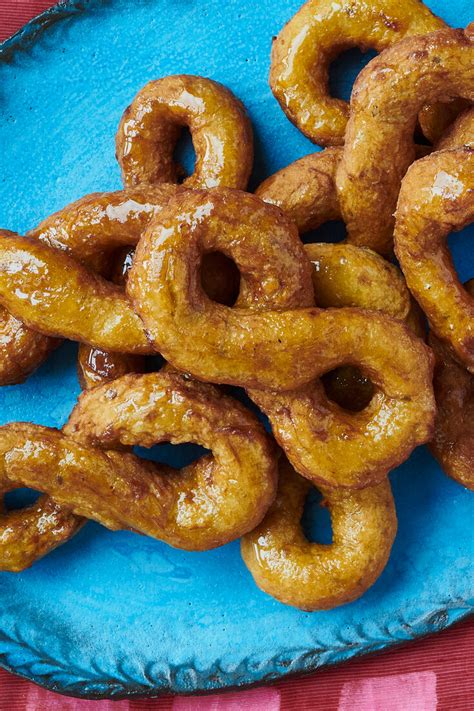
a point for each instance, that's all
(220, 130)
(453, 441)
(385, 101)
(65, 299)
(204, 505)
(436, 198)
(315, 576)
(260, 345)
(343, 447)
(209, 502)
(315, 36)
(305, 189)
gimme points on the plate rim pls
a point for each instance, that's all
(196, 681)
(187, 680)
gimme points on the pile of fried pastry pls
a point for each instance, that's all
(328, 341)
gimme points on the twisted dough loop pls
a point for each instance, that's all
(219, 126)
(437, 197)
(30, 533)
(206, 504)
(324, 442)
(305, 190)
(320, 30)
(89, 230)
(253, 346)
(453, 441)
(213, 500)
(386, 98)
(315, 576)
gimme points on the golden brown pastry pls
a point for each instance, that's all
(281, 350)
(206, 504)
(437, 198)
(341, 430)
(315, 36)
(316, 576)
(220, 130)
(379, 146)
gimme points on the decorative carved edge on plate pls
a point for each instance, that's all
(36, 664)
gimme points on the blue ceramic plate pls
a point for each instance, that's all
(116, 614)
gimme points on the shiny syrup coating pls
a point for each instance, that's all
(204, 505)
(254, 345)
(386, 98)
(89, 230)
(341, 430)
(220, 130)
(453, 441)
(437, 198)
(320, 31)
(316, 576)
(53, 293)
(211, 501)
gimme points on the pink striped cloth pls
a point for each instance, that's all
(435, 674)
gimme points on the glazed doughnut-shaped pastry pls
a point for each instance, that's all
(208, 503)
(54, 294)
(435, 122)
(453, 441)
(330, 429)
(437, 198)
(252, 346)
(460, 132)
(215, 499)
(316, 576)
(90, 229)
(30, 533)
(387, 96)
(220, 130)
(305, 190)
(315, 36)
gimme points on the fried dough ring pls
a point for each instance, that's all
(284, 349)
(328, 444)
(30, 533)
(316, 576)
(387, 96)
(54, 294)
(90, 230)
(436, 198)
(209, 502)
(206, 504)
(219, 126)
(453, 441)
(312, 39)
(460, 132)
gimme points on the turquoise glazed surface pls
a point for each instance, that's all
(116, 614)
